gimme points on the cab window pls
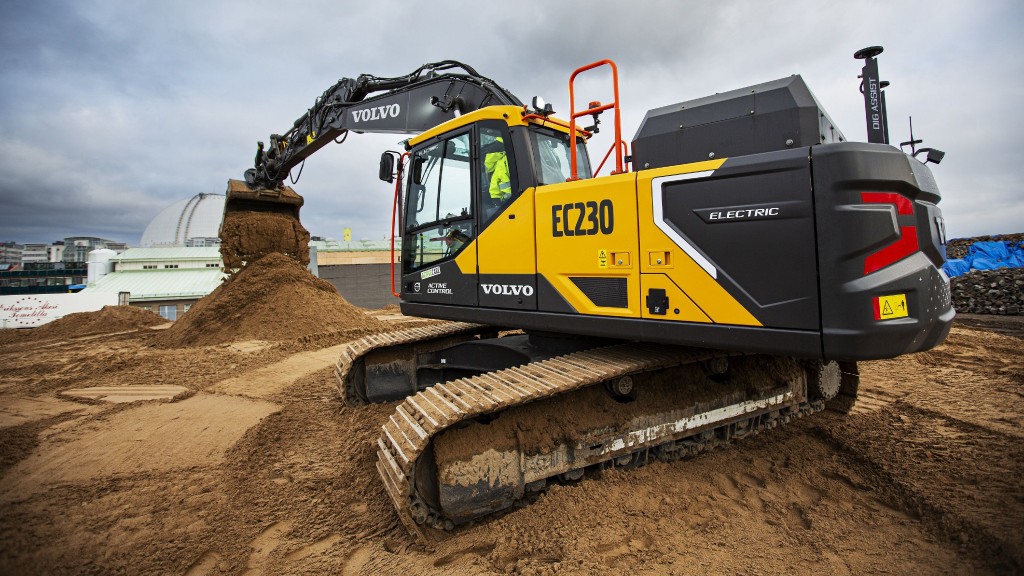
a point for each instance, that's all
(554, 164)
(496, 169)
(439, 218)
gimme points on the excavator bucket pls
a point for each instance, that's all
(260, 221)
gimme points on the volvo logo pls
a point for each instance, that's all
(376, 113)
(508, 289)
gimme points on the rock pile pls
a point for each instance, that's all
(958, 248)
(989, 291)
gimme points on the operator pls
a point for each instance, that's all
(496, 163)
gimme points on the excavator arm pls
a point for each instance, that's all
(261, 214)
(410, 104)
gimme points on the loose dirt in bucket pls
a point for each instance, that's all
(260, 222)
(247, 237)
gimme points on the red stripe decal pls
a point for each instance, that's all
(903, 204)
(898, 250)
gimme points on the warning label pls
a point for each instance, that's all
(602, 258)
(890, 307)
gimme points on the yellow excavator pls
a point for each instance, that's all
(723, 279)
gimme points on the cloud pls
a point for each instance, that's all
(112, 110)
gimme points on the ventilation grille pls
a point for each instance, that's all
(607, 292)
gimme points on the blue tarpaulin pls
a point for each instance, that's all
(956, 267)
(987, 256)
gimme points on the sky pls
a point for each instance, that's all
(112, 110)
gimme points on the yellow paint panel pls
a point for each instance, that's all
(511, 115)
(562, 253)
(466, 260)
(678, 266)
(677, 300)
(507, 245)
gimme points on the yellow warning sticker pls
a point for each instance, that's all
(602, 258)
(889, 307)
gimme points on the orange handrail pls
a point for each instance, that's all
(608, 153)
(394, 213)
(618, 144)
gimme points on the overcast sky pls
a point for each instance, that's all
(111, 110)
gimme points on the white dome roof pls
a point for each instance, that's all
(196, 217)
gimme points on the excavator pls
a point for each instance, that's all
(723, 279)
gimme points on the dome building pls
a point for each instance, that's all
(191, 222)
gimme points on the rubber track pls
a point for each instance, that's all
(420, 418)
(359, 348)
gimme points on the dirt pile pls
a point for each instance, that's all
(922, 478)
(989, 291)
(273, 299)
(958, 248)
(103, 321)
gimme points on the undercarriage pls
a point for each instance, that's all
(463, 445)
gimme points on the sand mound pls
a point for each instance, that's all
(106, 320)
(273, 299)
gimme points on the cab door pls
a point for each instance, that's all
(506, 245)
(439, 224)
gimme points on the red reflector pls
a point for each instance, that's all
(902, 203)
(898, 250)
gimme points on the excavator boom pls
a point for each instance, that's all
(410, 104)
(261, 214)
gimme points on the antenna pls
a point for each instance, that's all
(931, 154)
(912, 143)
(874, 100)
(875, 113)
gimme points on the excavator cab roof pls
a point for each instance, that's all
(512, 115)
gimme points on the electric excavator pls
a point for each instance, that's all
(727, 284)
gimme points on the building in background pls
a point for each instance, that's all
(166, 280)
(10, 252)
(42, 278)
(77, 248)
(35, 253)
(51, 268)
(56, 251)
(177, 264)
(360, 270)
(191, 222)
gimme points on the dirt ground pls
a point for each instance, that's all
(250, 464)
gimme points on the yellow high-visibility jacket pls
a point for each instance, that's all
(501, 183)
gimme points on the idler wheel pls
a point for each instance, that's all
(823, 380)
